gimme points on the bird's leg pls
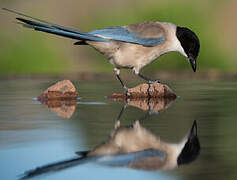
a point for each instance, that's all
(150, 110)
(117, 123)
(150, 81)
(122, 111)
(117, 71)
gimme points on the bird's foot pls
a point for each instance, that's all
(154, 81)
(150, 84)
(127, 92)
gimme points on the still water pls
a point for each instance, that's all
(33, 135)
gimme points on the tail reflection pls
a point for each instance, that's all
(133, 147)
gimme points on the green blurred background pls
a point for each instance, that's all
(23, 51)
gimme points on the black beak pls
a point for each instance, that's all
(193, 63)
(193, 132)
(191, 148)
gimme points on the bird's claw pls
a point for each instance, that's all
(154, 81)
(127, 92)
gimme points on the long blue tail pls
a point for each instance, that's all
(44, 26)
(55, 167)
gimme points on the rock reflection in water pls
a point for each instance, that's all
(133, 147)
(152, 105)
(63, 108)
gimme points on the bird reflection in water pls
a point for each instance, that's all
(133, 147)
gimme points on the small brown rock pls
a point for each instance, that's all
(62, 90)
(155, 90)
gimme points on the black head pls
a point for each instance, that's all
(191, 148)
(190, 44)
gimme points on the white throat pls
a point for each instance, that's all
(175, 44)
(175, 150)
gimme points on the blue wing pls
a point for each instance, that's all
(122, 34)
(108, 160)
(126, 159)
(146, 33)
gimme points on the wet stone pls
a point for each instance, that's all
(62, 90)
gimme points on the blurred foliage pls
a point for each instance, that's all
(24, 55)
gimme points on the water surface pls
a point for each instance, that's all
(32, 135)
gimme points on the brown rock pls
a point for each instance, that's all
(155, 90)
(62, 90)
